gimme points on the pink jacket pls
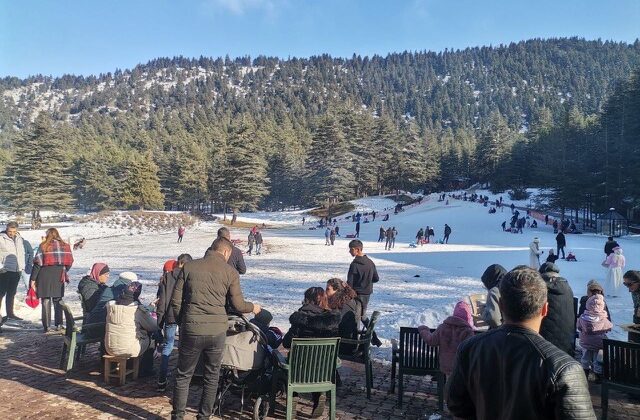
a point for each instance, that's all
(615, 259)
(593, 324)
(448, 336)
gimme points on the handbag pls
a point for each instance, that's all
(32, 298)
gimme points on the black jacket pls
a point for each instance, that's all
(90, 292)
(362, 274)
(236, 260)
(561, 240)
(608, 247)
(513, 373)
(559, 326)
(164, 311)
(311, 321)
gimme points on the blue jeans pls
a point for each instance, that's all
(169, 336)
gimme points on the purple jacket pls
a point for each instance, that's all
(593, 324)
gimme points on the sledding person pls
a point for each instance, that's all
(92, 285)
(609, 245)
(362, 274)
(559, 326)
(166, 318)
(129, 328)
(49, 276)
(448, 335)
(491, 280)
(561, 242)
(534, 254)
(419, 237)
(447, 232)
(198, 302)
(314, 319)
(181, 231)
(12, 262)
(614, 264)
(236, 260)
(593, 326)
(251, 239)
(258, 237)
(327, 236)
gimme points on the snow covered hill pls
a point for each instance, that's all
(417, 286)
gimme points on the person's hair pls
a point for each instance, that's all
(222, 244)
(610, 238)
(12, 225)
(223, 232)
(523, 293)
(344, 293)
(521, 267)
(357, 244)
(184, 258)
(633, 275)
(316, 296)
(51, 235)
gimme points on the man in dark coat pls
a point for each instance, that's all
(447, 232)
(236, 260)
(561, 242)
(199, 304)
(358, 229)
(609, 245)
(362, 274)
(559, 326)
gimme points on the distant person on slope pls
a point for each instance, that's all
(561, 242)
(327, 236)
(181, 231)
(258, 236)
(362, 274)
(358, 229)
(447, 232)
(534, 254)
(251, 239)
(382, 234)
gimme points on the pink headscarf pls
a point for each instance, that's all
(97, 269)
(463, 311)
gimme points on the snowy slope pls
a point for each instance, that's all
(296, 258)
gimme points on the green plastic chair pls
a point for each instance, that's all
(311, 367)
(362, 352)
(76, 338)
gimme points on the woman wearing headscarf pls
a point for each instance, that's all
(91, 286)
(129, 328)
(49, 275)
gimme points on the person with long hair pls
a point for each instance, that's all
(49, 275)
(342, 298)
(314, 319)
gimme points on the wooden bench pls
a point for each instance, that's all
(116, 367)
(621, 370)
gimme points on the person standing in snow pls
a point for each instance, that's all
(327, 236)
(258, 236)
(12, 262)
(491, 277)
(609, 246)
(337, 230)
(303, 220)
(419, 237)
(513, 207)
(332, 236)
(534, 254)
(361, 275)
(251, 240)
(358, 228)
(561, 242)
(181, 231)
(614, 264)
(382, 234)
(504, 225)
(373, 214)
(447, 232)
(388, 234)
(431, 234)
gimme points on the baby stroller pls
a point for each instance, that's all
(248, 365)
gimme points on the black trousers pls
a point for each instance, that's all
(46, 312)
(8, 286)
(191, 348)
(364, 300)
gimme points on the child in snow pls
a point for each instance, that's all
(571, 257)
(593, 326)
(448, 336)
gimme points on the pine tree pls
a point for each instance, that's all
(140, 187)
(38, 177)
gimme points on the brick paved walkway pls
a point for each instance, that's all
(33, 386)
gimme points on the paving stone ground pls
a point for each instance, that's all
(32, 386)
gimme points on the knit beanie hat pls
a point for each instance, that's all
(263, 318)
(594, 285)
(129, 276)
(170, 265)
(595, 305)
(463, 311)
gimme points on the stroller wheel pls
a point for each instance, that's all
(261, 408)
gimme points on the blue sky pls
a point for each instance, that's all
(54, 37)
